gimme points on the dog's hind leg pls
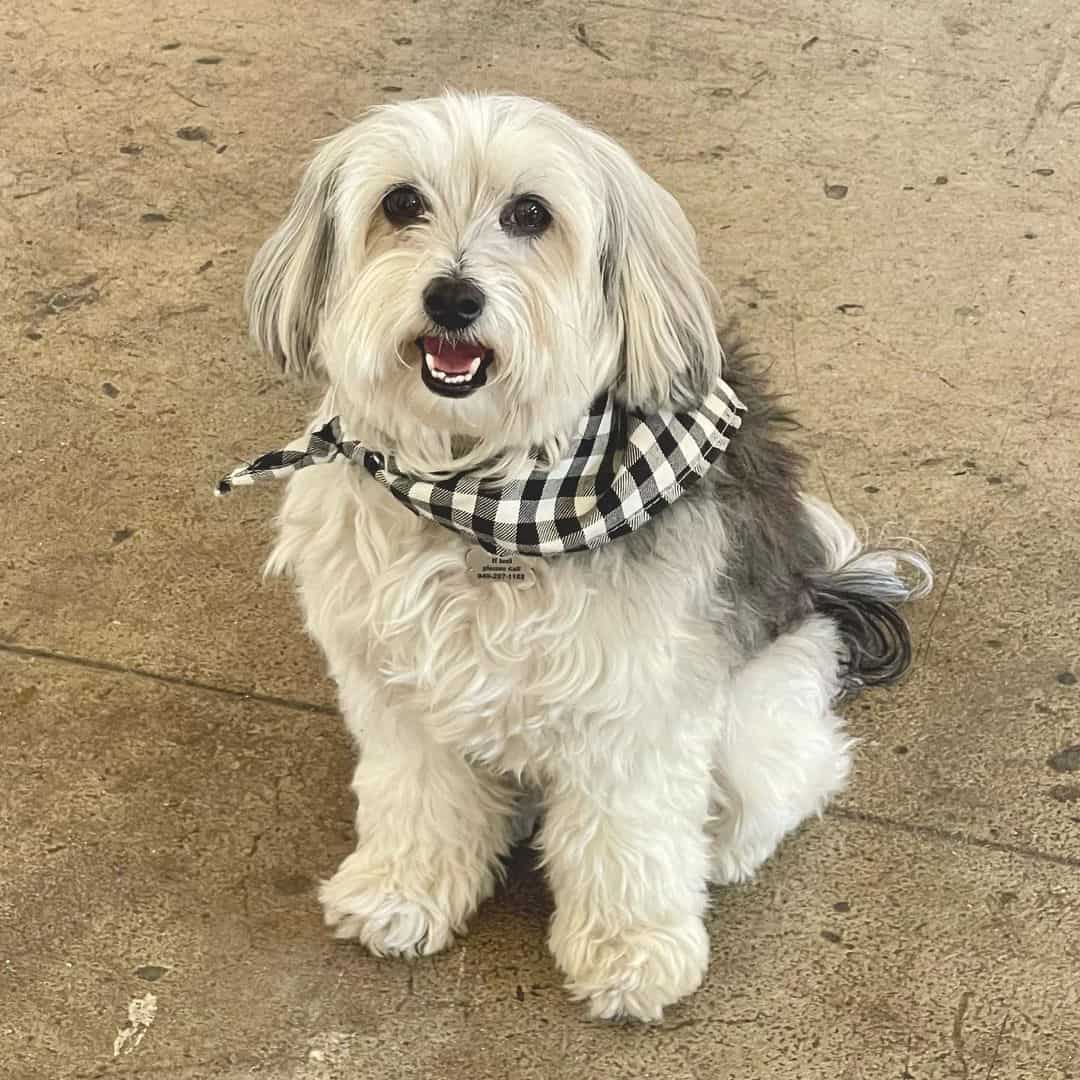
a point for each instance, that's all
(782, 753)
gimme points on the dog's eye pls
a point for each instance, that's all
(403, 204)
(526, 216)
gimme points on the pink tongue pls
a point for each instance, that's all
(453, 359)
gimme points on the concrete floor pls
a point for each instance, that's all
(887, 197)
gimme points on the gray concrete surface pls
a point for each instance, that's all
(172, 775)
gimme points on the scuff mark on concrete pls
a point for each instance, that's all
(141, 1014)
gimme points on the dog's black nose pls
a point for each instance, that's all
(453, 303)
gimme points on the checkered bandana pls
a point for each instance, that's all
(620, 471)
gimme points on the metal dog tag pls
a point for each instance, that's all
(514, 570)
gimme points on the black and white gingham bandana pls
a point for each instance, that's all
(620, 471)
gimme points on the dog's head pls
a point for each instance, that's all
(484, 267)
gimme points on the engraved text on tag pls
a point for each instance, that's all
(513, 569)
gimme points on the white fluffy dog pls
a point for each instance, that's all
(468, 274)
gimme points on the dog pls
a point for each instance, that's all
(468, 276)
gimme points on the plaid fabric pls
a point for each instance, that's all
(621, 470)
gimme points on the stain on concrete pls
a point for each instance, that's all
(25, 695)
(75, 295)
(292, 884)
(1065, 793)
(1067, 760)
(151, 972)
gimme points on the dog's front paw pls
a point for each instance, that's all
(633, 973)
(387, 915)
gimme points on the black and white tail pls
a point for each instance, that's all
(862, 589)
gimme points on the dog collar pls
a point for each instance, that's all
(621, 469)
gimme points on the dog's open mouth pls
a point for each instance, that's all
(453, 369)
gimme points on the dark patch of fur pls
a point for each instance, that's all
(299, 358)
(322, 260)
(695, 381)
(609, 270)
(875, 634)
(774, 549)
(777, 572)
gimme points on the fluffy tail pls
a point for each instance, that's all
(861, 589)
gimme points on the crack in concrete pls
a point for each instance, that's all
(1043, 100)
(112, 668)
(934, 833)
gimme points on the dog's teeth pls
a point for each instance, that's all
(442, 376)
(436, 372)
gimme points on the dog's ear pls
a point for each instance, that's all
(291, 275)
(654, 283)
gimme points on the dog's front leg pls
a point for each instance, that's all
(430, 830)
(625, 849)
